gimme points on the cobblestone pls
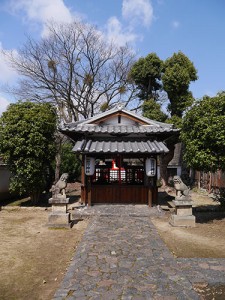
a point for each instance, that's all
(121, 256)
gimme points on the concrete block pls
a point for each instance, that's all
(182, 221)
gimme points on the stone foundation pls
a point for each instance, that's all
(59, 220)
(183, 213)
(183, 221)
(59, 217)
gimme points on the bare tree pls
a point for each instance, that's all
(74, 68)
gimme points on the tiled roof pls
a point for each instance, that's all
(124, 146)
(118, 129)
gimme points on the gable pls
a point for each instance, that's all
(119, 118)
(119, 115)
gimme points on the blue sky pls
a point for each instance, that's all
(197, 28)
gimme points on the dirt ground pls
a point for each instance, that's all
(33, 257)
(206, 239)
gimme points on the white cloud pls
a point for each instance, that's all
(42, 11)
(175, 24)
(138, 11)
(4, 103)
(117, 34)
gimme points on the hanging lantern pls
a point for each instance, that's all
(150, 167)
(89, 166)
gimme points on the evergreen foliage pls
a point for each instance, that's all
(152, 110)
(203, 133)
(179, 72)
(27, 145)
(70, 162)
(146, 73)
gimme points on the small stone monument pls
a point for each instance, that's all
(59, 217)
(183, 205)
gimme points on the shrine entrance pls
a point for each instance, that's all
(119, 180)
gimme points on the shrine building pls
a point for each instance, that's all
(119, 151)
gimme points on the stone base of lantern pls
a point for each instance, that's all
(182, 221)
(183, 213)
(59, 217)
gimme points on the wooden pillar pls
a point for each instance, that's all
(84, 183)
(152, 192)
(119, 162)
(89, 191)
(149, 196)
(155, 195)
(155, 187)
(83, 192)
(151, 182)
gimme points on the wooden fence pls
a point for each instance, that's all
(210, 181)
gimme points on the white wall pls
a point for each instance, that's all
(123, 121)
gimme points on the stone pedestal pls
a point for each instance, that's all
(59, 217)
(183, 213)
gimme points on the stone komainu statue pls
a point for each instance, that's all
(182, 191)
(59, 189)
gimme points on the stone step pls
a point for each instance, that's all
(171, 206)
(114, 210)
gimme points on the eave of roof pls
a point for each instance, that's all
(124, 146)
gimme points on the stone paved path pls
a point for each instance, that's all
(121, 256)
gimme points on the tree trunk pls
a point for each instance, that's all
(57, 164)
(210, 183)
(192, 176)
(164, 160)
(59, 142)
(35, 197)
